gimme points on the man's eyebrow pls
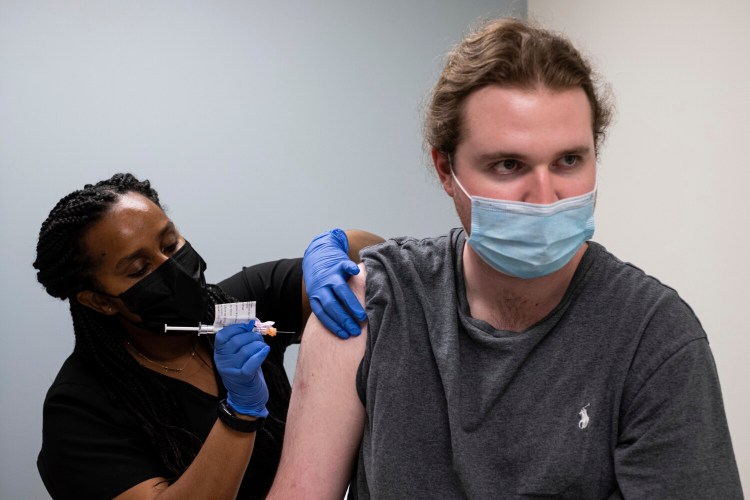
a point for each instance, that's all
(123, 262)
(580, 151)
(500, 155)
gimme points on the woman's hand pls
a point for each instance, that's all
(238, 353)
(326, 268)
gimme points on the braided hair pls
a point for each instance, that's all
(64, 268)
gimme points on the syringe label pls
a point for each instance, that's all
(233, 313)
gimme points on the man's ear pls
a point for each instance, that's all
(96, 301)
(443, 168)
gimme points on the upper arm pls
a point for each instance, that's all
(326, 417)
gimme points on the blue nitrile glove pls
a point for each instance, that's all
(238, 353)
(326, 267)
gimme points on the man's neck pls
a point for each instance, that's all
(509, 303)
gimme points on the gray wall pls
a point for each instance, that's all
(260, 126)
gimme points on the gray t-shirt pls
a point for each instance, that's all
(613, 394)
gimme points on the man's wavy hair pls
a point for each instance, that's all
(514, 54)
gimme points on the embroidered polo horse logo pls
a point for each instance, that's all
(584, 422)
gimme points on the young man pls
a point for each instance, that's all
(511, 358)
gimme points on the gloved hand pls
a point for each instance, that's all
(238, 353)
(326, 267)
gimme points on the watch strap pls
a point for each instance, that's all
(231, 420)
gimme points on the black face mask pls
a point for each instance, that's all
(174, 293)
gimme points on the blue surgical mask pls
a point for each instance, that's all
(529, 240)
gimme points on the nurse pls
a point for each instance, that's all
(136, 413)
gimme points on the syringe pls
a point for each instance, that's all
(211, 330)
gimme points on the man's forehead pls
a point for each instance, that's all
(500, 118)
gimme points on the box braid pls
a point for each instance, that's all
(64, 268)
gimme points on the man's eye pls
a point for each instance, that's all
(569, 160)
(507, 166)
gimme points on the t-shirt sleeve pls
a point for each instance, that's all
(674, 440)
(90, 448)
(276, 287)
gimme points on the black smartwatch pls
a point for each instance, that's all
(231, 420)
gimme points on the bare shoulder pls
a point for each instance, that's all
(357, 283)
(326, 417)
(323, 355)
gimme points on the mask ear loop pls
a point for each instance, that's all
(453, 174)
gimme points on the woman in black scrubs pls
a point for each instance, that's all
(133, 411)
